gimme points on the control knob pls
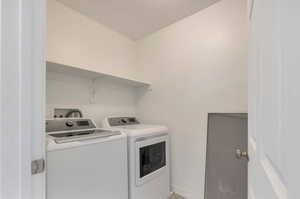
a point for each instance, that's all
(69, 124)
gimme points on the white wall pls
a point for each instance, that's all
(74, 39)
(66, 91)
(197, 66)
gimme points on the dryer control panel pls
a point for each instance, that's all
(121, 121)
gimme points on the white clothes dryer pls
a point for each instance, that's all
(148, 157)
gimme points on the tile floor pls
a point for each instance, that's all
(176, 196)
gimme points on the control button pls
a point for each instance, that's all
(124, 121)
(69, 123)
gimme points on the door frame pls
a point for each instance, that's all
(22, 97)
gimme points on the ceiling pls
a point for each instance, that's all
(137, 18)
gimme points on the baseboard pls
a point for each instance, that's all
(187, 193)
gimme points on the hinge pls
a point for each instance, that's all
(37, 166)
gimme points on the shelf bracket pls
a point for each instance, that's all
(92, 99)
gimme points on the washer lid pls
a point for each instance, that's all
(65, 137)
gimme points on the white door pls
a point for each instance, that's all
(274, 100)
(22, 75)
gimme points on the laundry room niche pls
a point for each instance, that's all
(174, 76)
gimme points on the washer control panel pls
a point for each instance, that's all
(121, 121)
(69, 124)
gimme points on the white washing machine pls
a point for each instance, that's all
(84, 161)
(148, 157)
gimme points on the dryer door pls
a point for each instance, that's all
(151, 158)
